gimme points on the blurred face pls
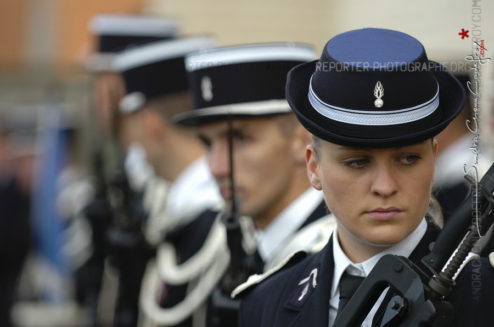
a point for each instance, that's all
(168, 147)
(378, 195)
(131, 129)
(265, 162)
(108, 90)
(146, 127)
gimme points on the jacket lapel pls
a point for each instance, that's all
(308, 302)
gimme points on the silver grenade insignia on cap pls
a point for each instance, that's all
(378, 93)
(207, 88)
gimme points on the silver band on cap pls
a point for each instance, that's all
(373, 117)
(255, 108)
(160, 51)
(136, 25)
(248, 54)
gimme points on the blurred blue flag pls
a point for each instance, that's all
(48, 226)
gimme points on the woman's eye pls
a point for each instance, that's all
(357, 163)
(409, 159)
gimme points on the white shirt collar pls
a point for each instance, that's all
(270, 239)
(342, 263)
(137, 167)
(193, 192)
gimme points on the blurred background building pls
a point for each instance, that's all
(44, 42)
(45, 91)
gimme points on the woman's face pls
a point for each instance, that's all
(378, 195)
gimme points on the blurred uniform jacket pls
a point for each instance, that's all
(194, 257)
(192, 254)
(450, 187)
(14, 242)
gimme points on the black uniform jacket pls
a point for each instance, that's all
(299, 294)
(258, 267)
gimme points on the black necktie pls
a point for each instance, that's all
(348, 286)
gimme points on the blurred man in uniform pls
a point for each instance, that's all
(116, 33)
(119, 166)
(454, 155)
(191, 255)
(456, 158)
(244, 85)
(15, 193)
(255, 152)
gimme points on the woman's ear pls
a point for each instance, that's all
(312, 163)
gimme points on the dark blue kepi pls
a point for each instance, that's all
(374, 88)
(242, 80)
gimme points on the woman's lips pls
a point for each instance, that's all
(384, 213)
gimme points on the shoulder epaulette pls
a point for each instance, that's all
(256, 279)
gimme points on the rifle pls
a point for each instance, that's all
(224, 308)
(129, 252)
(421, 297)
(98, 212)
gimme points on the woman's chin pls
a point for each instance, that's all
(384, 239)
